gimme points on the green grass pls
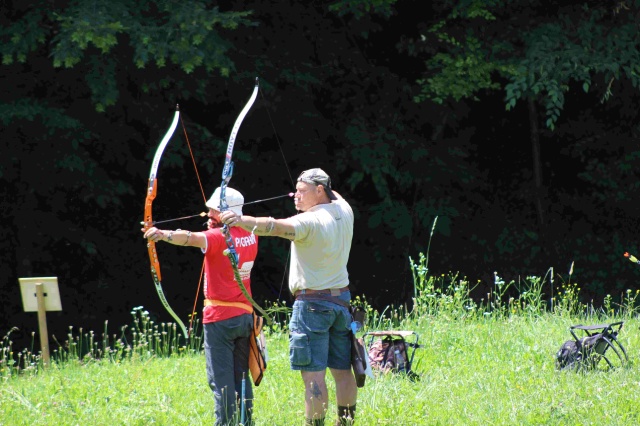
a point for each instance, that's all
(480, 372)
(484, 362)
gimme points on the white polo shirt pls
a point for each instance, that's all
(320, 250)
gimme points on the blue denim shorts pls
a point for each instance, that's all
(319, 335)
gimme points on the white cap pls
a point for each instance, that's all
(235, 200)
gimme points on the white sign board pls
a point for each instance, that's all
(51, 293)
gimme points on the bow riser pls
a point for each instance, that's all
(148, 223)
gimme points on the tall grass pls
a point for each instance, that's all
(142, 340)
(487, 360)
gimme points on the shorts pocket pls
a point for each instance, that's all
(299, 349)
(318, 318)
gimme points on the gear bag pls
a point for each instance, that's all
(586, 353)
(392, 351)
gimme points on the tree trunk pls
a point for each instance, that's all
(539, 190)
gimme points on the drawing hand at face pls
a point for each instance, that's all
(229, 218)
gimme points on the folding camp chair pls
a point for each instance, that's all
(589, 350)
(392, 351)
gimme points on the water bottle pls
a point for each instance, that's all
(399, 360)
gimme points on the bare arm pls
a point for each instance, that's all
(262, 226)
(177, 237)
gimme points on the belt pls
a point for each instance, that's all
(213, 302)
(331, 291)
(324, 296)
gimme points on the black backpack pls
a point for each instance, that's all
(585, 353)
(577, 354)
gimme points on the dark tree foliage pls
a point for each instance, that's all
(416, 114)
(558, 161)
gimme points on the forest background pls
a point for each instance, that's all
(514, 123)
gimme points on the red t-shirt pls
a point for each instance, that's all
(219, 280)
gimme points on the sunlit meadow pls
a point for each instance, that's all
(484, 361)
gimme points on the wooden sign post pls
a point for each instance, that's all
(41, 295)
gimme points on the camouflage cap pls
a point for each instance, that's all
(318, 177)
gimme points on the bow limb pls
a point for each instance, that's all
(227, 172)
(152, 189)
